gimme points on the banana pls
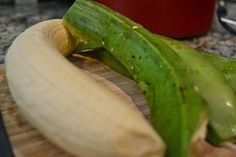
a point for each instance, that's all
(67, 106)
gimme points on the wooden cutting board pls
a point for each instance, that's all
(28, 142)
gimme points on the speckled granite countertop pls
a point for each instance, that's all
(16, 18)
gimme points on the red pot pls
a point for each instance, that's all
(173, 18)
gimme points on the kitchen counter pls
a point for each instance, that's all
(14, 19)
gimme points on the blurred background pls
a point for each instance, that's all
(156, 15)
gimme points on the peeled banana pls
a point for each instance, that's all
(68, 107)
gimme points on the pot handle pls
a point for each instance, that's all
(225, 22)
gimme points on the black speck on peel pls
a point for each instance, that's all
(178, 47)
(148, 83)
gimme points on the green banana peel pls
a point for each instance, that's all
(226, 66)
(208, 81)
(163, 80)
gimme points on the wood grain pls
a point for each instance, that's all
(28, 142)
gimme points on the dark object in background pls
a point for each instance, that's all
(60, 1)
(173, 18)
(5, 146)
(226, 22)
(6, 2)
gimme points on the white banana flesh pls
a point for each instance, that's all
(67, 106)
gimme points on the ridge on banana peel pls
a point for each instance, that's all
(66, 105)
(227, 66)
